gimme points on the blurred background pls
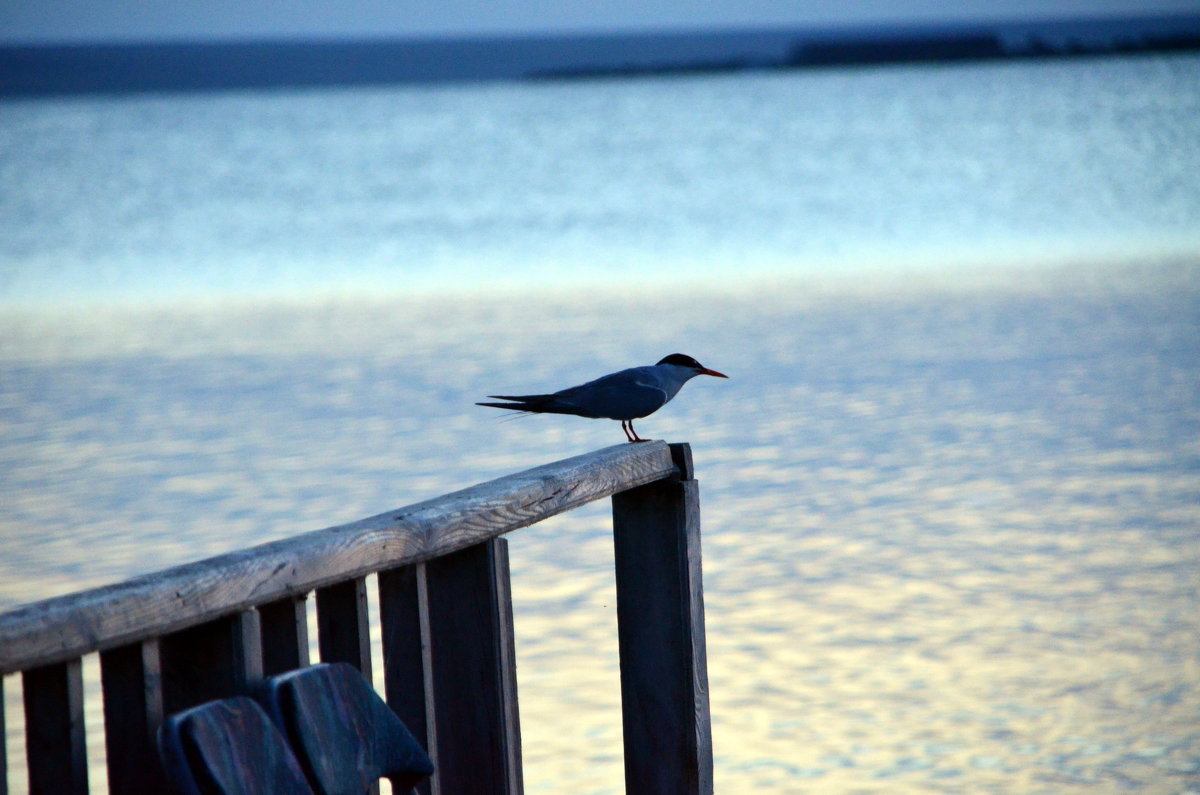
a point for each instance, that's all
(257, 263)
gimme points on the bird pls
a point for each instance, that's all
(625, 395)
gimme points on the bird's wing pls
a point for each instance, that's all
(625, 395)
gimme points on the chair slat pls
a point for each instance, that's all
(345, 736)
(229, 747)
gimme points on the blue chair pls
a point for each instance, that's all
(229, 747)
(345, 736)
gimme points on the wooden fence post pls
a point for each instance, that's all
(474, 671)
(131, 678)
(660, 620)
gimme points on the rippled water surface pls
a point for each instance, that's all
(951, 493)
(950, 535)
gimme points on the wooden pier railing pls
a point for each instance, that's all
(211, 629)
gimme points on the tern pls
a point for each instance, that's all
(625, 395)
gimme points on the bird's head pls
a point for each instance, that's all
(687, 362)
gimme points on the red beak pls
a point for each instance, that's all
(706, 371)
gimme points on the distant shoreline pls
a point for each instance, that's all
(108, 68)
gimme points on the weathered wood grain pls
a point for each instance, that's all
(65, 627)
(133, 710)
(344, 735)
(660, 626)
(474, 671)
(229, 746)
(55, 740)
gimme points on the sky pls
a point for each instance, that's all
(46, 21)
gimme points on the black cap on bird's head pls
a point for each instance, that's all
(683, 360)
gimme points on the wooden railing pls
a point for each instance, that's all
(206, 630)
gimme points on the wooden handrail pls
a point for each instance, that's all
(64, 627)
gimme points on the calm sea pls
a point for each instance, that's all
(951, 492)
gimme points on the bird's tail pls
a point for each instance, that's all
(538, 404)
(514, 406)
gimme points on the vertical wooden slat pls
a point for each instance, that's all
(133, 710)
(55, 741)
(3, 744)
(660, 618)
(407, 662)
(507, 654)
(344, 628)
(213, 660)
(343, 624)
(284, 635)
(474, 671)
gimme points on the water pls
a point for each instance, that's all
(513, 185)
(950, 494)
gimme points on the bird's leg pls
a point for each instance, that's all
(627, 436)
(635, 438)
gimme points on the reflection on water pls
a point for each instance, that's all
(951, 535)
